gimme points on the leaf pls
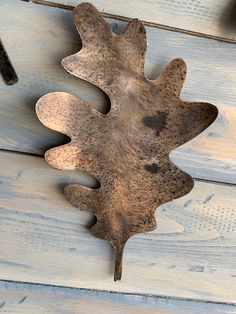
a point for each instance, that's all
(127, 150)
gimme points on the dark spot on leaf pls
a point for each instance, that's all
(157, 122)
(153, 168)
(109, 81)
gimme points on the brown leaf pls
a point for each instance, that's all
(127, 150)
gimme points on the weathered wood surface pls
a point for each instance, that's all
(45, 240)
(38, 37)
(213, 17)
(37, 299)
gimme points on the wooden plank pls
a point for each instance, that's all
(212, 17)
(39, 299)
(45, 240)
(38, 37)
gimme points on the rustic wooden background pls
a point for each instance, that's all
(49, 262)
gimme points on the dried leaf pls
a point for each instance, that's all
(127, 150)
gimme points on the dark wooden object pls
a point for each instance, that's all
(6, 69)
(127, 150)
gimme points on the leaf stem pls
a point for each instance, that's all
(118, 262)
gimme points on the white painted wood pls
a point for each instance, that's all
(45, 240)
(37, 38)
(203, 16)
(37, 299)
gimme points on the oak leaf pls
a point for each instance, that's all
(128, 149)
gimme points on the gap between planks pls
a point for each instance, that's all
(42, 156)
(119, 292)
(127, 19)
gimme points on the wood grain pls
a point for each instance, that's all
(212, 17)
(37, 299)
(45, 240)
(38, 37)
